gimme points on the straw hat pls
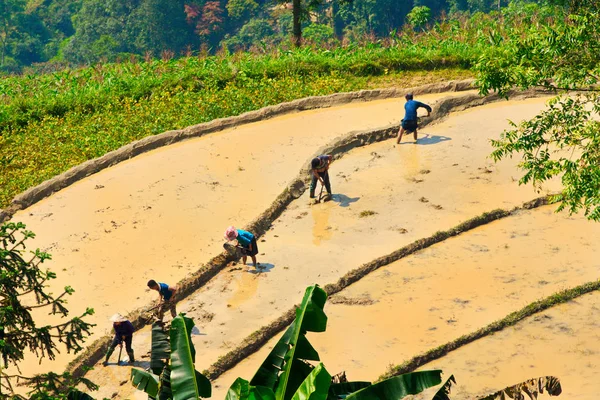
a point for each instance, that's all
(231, 233)
(118, 318)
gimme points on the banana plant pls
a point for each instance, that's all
(172, 358)
(531, 387)
(286, 373)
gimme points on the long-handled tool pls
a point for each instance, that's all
(120, 350)
(320, 197)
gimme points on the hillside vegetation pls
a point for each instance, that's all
(51, 122)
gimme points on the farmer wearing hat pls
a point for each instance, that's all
(123, 333)
(165, 298)
(320, 171)
(410, 121)
(246, 240)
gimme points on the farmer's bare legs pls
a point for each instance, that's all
(244, 258)
(253, 261)
(400, 133)
(415, 135)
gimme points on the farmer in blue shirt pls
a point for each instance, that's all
(165, 298)
(247, 242)
(123, 333)
(410, 121)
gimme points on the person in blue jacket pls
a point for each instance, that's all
(410, 121)
(123, 333)
(165, 298)
(247, 242)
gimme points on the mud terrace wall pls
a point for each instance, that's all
(339, 146)
(510, 320)
(35, 194)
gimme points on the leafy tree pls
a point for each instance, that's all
(319, 33)
(241, 9)
(564, 140)
(419, 16)
(255, 31)
(23, 288)
(9, 11)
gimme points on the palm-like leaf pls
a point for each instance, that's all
(309, 318)
(399, 386)
(145, 381)
(342, 390)
(531, 387)
(161, 349)
(241, 389)
(443, 393)
(186, 382)
(315, 386)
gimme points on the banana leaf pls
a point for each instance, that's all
(78, 395)
(161, 348)
(164, 392)
(531, 387)
(309, 318)
(204, 386)
(269, 371)
(184, 383)
(443, 393)
(241, 389)
(342, 390)
(399, 386)
(145, 381)
(315, 386)
(292, 346)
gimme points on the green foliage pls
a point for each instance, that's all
(287, 374)
(23, 285)
(419, 16)
(178, 379)
(319, 34)
(564, 140)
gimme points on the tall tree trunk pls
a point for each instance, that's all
(337, 22)
(297, 12)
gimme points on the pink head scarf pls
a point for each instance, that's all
(231, 233)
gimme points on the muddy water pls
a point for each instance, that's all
(403, 193)
(162, 214)
(448, 290)
(563, 341)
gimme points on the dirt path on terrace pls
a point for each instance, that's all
(449, 290)
(162, 214)
(563, 341)
(417, 188)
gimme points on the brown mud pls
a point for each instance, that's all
(296, 254)
(449, 290)
(563, 341)
(161, 215)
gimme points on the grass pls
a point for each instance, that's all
(49, 144)
(510, 320)
(366, 213)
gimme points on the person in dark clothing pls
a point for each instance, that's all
(123, 333)
(410, 121)
(320, 171)
(165, 298)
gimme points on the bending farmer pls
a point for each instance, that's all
(247, 242)
(320, 172)
(123, 333)
(165, 298)
(410, 121)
